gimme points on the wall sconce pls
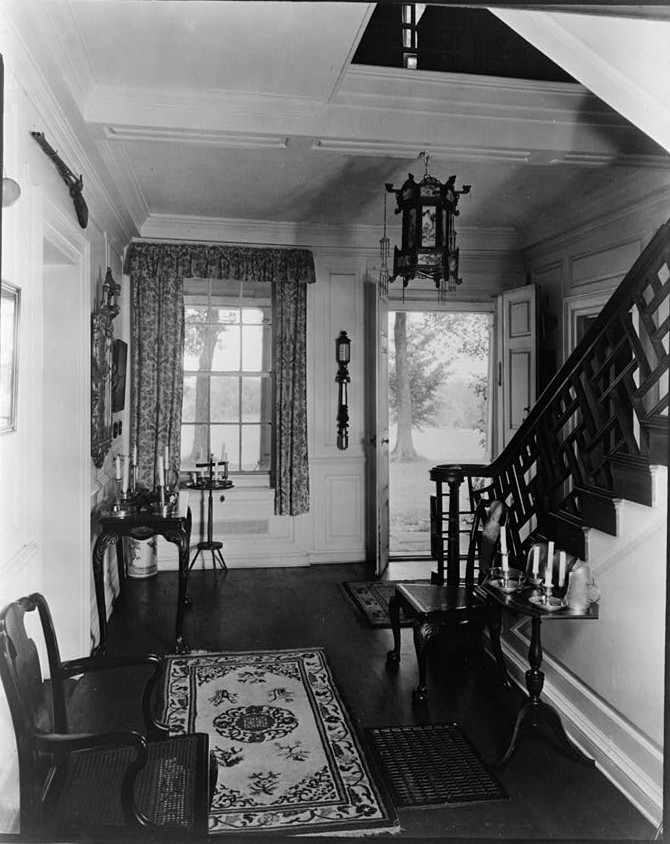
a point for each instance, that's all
(110, 294)
(342, 357)
(10, 191)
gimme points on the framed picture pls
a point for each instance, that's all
(10, 307)
(101, 385)
(119, 359)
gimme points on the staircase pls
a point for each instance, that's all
(598, 431)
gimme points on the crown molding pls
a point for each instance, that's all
(394, 149)
(496, 242)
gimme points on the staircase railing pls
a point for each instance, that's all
(598, 426)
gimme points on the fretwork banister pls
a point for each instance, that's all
(598, 425)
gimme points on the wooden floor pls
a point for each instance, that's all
(551, 797)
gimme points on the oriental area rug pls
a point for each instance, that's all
(289, 761)
(372, 597)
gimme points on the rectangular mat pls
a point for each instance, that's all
(432, 765)
(372, 597)
(289, 760)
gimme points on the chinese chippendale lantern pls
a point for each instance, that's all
(428, 247)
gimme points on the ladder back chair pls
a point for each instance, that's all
(432, 607)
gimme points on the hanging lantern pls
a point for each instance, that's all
(428, 247)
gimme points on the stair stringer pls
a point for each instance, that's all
(605, 677)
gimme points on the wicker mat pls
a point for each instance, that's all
(289, 761)
(432, 765)
(371, 598)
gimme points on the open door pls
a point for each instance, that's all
(377, 412)
(517, 359)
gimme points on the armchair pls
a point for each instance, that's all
(104, 784)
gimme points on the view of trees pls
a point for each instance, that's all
(428, 382)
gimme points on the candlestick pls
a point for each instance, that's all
(561, 568)
(118, 468)
(126, 471)
(550, 564)
(536, 560)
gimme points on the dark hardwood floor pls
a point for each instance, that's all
(551, 797)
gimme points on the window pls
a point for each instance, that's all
(228, 403)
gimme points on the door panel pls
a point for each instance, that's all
(376, 317)
(517, 353)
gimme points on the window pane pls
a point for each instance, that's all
(251, 448)
(195, 406)
(252, 348)
(195, 313)
(226, 357)
(226, 315)
(225, 399)
(196, 347)
(252, 316)
(226, 438)
(193, 444)
(251, 399)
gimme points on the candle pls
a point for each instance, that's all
(161, 472)
(134, 455)
(503, 548)
(561, 568)
(126, 468)
(536, 560)
(550, 564)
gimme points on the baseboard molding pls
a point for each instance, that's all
(584, 715)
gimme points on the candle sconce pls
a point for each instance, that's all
(342, 357)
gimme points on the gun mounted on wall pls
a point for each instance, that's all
(75, 185)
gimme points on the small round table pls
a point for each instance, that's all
(210, 544)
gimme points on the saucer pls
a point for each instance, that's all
(547, 604)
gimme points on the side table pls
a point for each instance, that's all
(535, 709)
(176, 528)
(210, 544)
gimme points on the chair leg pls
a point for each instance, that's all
(393, 656)
(423, 635)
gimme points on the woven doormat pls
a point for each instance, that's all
(432, 765)
(372, 597)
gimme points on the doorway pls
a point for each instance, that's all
(439, 389)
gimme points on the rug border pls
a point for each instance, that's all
(377, 781)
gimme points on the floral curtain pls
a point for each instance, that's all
(161, 267)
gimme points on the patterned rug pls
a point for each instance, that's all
(372, 599)
(289, 760)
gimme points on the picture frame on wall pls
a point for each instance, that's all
(10, 307)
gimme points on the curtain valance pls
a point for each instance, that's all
(239, 263)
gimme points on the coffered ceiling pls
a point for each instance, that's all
(221, 116)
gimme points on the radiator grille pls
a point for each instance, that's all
(241, 527)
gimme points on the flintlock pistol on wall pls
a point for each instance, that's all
(75, 185)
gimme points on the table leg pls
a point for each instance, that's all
(101, 544)
(393, 656)
(121, 567)
(537, 709)
(181, 539)
(494, 625)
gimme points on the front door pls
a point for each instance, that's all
(378, 421)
